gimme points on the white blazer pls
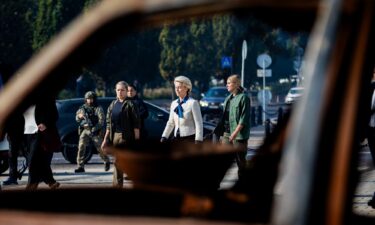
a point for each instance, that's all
(190, 124)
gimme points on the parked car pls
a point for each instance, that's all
(212, 103)
(294, 94)
(68, 127)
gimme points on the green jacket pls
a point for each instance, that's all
(239, 113)
(130, 121)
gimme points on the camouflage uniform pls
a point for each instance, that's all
(90, 128)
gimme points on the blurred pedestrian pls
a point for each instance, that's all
(371, 124)
(100, 89)
(185, 116)
(84, 83)
(234, 126)
(40, 122)
(15, 130)
(123, 124)
(142, 108)
(90, 117)
(138, 87)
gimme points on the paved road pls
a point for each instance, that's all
(96, 176)
(366, 186)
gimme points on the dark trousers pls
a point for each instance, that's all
(16, 147)
(39, 161)
(190, 138)
(240, 156)
(371, 142)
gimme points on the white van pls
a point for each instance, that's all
(294, 94)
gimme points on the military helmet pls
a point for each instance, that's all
(90, 94)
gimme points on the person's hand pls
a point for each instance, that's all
(232, 137)
(104, 144)
(94, 131)
(42, 127)
(105, 148)
(137, 134)
(163, 139)
(80, 115)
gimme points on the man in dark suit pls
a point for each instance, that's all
(40, 118)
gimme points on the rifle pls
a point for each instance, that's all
(85, 121)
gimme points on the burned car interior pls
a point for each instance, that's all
(312, 155)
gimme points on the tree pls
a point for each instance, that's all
(46, 22)
(90, 3)
(15, 35)
(195, 47)
(174, 44)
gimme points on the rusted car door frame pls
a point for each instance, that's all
(325, 134)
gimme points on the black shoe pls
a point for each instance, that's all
(79, 170)
(371, 203)
(32, 186)
(107, 166)
(54, 185)
(10, 181)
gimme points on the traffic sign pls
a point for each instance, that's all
(264, 60)
(244, 49)
(264, 94)
(226, 62)
(260, 73)
(244, 54)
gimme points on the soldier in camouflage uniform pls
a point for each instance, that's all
(91, 118)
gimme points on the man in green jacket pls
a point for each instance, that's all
(234, 126)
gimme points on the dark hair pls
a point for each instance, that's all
(133, 86)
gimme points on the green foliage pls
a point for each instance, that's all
(90, 3)
(174, 51)
(193, 48)
(223, 33)
(157, 93)
(46, 22)
(15, 35)
(66, 94)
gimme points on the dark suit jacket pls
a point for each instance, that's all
(46, 113)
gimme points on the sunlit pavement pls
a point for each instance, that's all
(95, 176)
(366, 186)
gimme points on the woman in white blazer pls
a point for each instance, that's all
(185, 116)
